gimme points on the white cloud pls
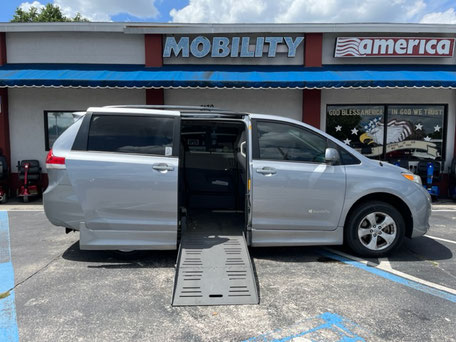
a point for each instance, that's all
(25, 6)
(288, 11)
(447, 17)
(102, 10)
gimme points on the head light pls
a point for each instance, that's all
(412, 177)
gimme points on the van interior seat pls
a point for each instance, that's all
(210, 179)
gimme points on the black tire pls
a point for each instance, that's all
(4, 199)
(126, 255)
(358, 221)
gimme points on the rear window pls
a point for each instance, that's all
(131, 134)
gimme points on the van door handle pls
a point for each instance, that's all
(162, 167)
(267, 171)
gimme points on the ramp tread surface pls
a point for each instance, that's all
(214, 269)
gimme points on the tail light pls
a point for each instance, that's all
(55, 162)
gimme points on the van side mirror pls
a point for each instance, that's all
(332, 156)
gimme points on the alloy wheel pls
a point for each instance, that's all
(377, 231)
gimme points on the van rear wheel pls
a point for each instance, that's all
(375, 229)
(126, 254)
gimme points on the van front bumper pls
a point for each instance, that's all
(420, 205)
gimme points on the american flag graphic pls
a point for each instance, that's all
(397, 131)
(347, 47)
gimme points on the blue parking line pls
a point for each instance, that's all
(8, 321)
(397, 279)
(328, 321)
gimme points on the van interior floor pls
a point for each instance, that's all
(214, 265)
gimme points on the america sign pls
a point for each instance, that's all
(393, 47)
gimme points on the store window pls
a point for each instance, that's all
(415, 132)
(55, 123)
(411, 132)
(360, 127)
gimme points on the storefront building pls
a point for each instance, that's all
(387, 90)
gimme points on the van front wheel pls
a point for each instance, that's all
(374, 229)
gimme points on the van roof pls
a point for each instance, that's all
(167, 109)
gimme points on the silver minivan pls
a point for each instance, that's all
(132, 177)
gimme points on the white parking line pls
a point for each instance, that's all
(441, 239)
(445, 210)
(386, 266)
(24, 210)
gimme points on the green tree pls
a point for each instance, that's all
(49, 13)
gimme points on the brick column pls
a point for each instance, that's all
(311, 98)
(2, 48)
(153, 50)
(154, 59)
(311, 105)
(4, 122)
(313, 53)
(4, 125)
(155, 97)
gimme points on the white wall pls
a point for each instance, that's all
(284, 102)
(26, 114)
(397, 96)
(75, 47)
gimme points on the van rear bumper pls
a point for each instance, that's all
(60, 203)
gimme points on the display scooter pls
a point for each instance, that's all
(29, 179)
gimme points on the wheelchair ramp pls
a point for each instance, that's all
(214, 270)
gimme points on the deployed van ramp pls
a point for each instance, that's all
(214, 268)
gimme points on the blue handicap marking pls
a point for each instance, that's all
(395, 278)
(325, 327)
(8, 322)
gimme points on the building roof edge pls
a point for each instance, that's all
(180, 28)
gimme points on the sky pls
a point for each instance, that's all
(250, 11)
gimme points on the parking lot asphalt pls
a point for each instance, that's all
(306, 293)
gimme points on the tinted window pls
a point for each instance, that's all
(131, 134)
(279, 141)
(219, 138)
(347, 158)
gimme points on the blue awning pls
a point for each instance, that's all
(214, 76)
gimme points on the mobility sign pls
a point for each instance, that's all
(219, 47)
(394, 47)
